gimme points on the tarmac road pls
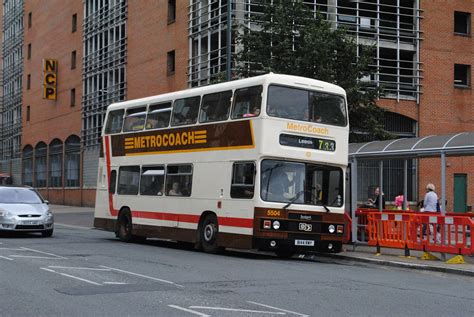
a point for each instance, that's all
(84, 272)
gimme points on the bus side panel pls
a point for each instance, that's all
(102, 217)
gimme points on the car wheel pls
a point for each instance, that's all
(208, 234)
(47, 233)
(124, 226)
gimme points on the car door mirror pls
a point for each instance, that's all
(46, 202)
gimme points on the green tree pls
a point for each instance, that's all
(292, 39)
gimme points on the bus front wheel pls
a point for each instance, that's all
(208, 234)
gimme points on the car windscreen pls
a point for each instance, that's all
(306, 105)
(19, 196)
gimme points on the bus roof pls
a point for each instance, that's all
(303, 82)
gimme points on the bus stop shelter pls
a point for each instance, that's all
(441, 146)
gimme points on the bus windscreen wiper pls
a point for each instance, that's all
(292, 200)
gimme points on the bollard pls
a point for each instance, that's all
(378, 249)
(407, 251)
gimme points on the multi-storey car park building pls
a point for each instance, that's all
(112, 50)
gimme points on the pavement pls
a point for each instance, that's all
(358, 253)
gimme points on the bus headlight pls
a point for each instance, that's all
(331, 229)
(276, 225)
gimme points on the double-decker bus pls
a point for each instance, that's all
(256, 163)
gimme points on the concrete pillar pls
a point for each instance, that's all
(332, 13)
(354, 199)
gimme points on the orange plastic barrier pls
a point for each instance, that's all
(429, 232)
(438, 233)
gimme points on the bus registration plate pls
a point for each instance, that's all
(308, 243)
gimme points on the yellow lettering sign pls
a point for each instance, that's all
(307, 128)
(154, 142)
(50, 74)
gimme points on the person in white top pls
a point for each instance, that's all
(431, 199)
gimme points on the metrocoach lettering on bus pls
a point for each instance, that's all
(256, 163)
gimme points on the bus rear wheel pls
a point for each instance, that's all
(208, 234)
(124, 226)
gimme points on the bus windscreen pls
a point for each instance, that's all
(306, 105)
(301, 183)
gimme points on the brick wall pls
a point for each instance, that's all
(150, 37)
(51, 37)
(443, 108)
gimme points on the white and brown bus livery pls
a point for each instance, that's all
(256, 163)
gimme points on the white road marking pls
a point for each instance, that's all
(144, 276)
(80, 279)
(12, 249)
(115, 283)
(189, 311)
(239, 310)
(276, 308)
(78, 268)
(35, 257)
(33, 250)
(6, 258)
(71, 276)
(49, 270)
(72, 226)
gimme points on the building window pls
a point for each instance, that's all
(27, 113)
(171, 11)
(28, 165)
(171, 62)
(462, 75)
(72, 161)
(102, 41)
(55, 163)
(28, 81)
(29, 20)
(29, 51)
(74, 22)
(73, 97)
(73, 60)
(40, 164)
(462, 23)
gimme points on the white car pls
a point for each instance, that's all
(22, 209)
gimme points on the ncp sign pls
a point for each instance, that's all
(50, 76)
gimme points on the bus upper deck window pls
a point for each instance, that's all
(247, 102)
(159, 116)
(135, 119)
(215, 107)
(306, 105)
(185, 111)
(114, 122)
